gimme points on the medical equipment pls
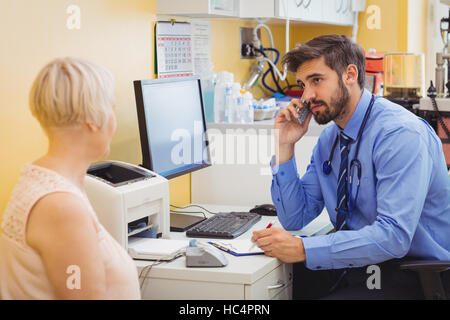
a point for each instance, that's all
(204, 255)
(436, 107)
(258, 68)
(374, 72)
(404, 77)
(440, 60)
(327, 168)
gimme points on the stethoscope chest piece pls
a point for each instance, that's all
(327, 167)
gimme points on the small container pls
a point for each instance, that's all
(404, 76)
(222, 95)
(265, 109)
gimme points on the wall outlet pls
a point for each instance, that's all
(247, 49)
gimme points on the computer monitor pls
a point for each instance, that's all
(172, 125)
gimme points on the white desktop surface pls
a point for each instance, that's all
(245, 277)
(245, 269)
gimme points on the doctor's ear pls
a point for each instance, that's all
(350, 75)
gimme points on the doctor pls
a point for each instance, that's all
(378, 169)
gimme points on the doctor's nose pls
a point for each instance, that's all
(308, 94)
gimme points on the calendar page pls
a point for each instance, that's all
(174, 49)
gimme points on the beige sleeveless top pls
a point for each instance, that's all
(22, 272)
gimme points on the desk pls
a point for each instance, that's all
(251, 277)
(244, 278)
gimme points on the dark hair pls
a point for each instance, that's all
(339, 52)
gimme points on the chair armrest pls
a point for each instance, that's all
(429, 272)
(425, 265)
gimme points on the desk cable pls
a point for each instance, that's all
(189, 206)
(148, 268)
(193, 205)
(176, 211)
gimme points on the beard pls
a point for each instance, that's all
(337, 104)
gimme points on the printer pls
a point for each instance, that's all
(129, 200)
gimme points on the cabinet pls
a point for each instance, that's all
(312, 10)
(346, 16)
(255, 277)
(275, 285)
(339, 12)
(198, 8)
(333, 11)
(302, 10)
(256, 9)
(336, 12)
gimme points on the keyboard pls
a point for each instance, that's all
(224, 225)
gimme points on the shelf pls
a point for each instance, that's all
(314, 130)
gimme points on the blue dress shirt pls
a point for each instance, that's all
(403, 206)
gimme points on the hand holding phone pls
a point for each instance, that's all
(291, 124)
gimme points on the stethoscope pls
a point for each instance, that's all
(355, 163)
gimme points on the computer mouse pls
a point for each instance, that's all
(265, 210)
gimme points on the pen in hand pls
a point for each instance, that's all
(271, 223)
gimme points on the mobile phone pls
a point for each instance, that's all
(303, 112)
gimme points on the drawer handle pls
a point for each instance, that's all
(298, 4)
(347, 6)
(280, 284)
(340, 6)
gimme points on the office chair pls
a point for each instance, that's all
(430, 274)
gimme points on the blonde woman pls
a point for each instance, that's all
(52, 245)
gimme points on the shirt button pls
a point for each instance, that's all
(318, 267)
(278, 199)
(282, 173)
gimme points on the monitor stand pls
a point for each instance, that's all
(180, 222)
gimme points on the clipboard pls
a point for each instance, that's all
(238, 248)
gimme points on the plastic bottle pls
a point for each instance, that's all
(208, 80)
(229, 103)
(235, 105)
(247, 108)
(222, 92)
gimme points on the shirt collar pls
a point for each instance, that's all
(353, 125)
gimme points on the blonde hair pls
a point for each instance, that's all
(72, 91)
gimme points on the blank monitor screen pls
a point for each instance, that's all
(172, 125)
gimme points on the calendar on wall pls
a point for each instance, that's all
(173, 44)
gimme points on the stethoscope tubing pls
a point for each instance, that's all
(354, 163)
